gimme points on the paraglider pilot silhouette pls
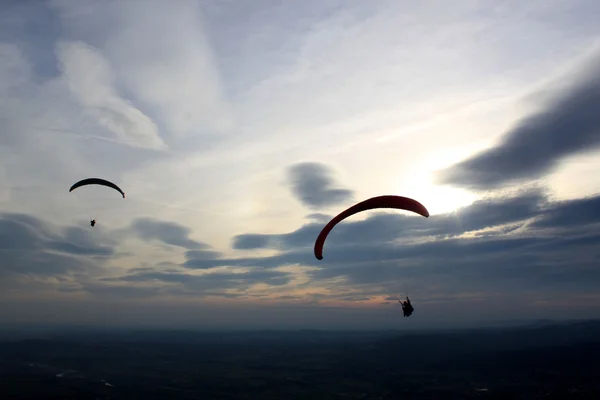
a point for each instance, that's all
(93, 222)
(407, 308)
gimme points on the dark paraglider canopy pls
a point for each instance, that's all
(96, 181)
(388, 201)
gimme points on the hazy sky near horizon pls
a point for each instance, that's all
(236, 129)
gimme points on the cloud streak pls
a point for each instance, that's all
(90, 79)
(209, 283)
(170, 233)
(164, 58)
(568, 125)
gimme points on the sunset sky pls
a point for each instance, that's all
(238, 128)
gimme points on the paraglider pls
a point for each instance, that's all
(407, 308)
(397, 202)
(96, 181)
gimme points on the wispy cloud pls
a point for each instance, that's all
(91, 81)
(161, 56)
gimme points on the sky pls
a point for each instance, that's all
(237, 129)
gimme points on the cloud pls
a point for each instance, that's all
(251, 241)
(211, 284)
(14, 69)
(382, 227)
(355, 298)
(35, 28)
(70, 260)
(167, 232)
(533, 147)
(45, 140)
(23, 231)
(166, 58)
(90, 79)
(550, 245)
(202, 259)
(161, 57)
(313, 185)
(30, 246)
(319, 217)
(572, 213)
(15, 73)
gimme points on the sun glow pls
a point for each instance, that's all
(438, 199)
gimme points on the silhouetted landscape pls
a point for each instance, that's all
(545, 360)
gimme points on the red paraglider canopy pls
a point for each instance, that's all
(398, 202)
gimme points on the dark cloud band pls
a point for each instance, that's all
(567, 126)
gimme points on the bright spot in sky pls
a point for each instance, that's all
(439, 199)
